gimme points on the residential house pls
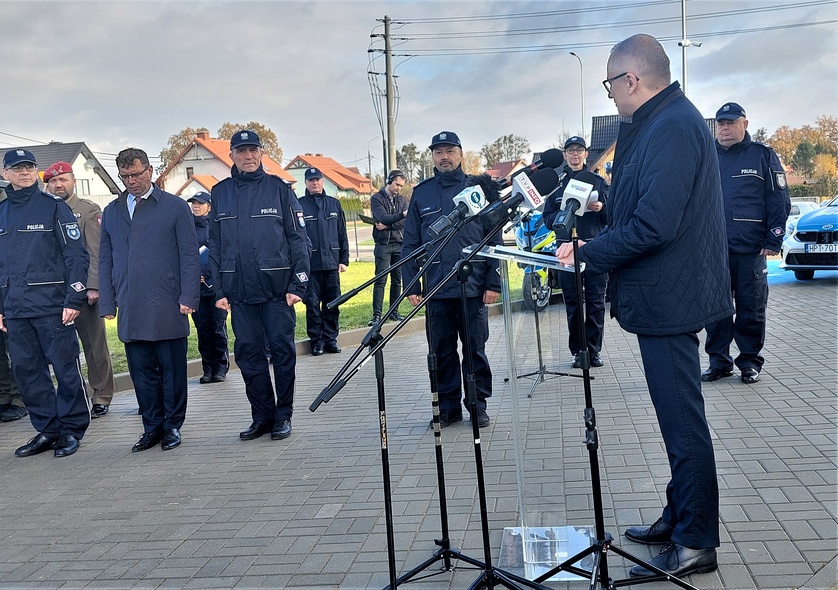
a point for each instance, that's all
(506, 169)
(92, 180)
(338, 181)
(203, 163)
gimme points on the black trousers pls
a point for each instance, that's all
(158, 370)
(749, 281)
(673, 375)
(211, 326)
(34, 345)
(9, 393)
(446, 323)
(322, 323)
(255, 325)
(386, 255)
(594, 286)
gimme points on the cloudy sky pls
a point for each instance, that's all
(122, 73)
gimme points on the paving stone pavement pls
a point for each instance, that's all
(308, 512)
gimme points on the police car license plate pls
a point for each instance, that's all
(822, 248)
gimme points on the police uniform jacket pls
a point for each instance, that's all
(756, 197)
(89, 216)
(202, 231)
(43, 262)
(390, 212)
(591, 222)
(431, 199)
(258, 248)
(148, 267)
(326, 228)
(665, 239)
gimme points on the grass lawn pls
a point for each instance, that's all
(355, 313)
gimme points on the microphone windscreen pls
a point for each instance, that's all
(545, 180)
(552, 158)
(489, 186)
(586, 176)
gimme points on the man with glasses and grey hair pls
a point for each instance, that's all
(149, 270)
(43, 265)
(665, 248)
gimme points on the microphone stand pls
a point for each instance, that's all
(603, 545)
(375, 341)
(491, 575)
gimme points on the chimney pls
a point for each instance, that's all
(318, 155)
(203, 135)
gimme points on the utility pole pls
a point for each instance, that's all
(684, 43)
(390, 142)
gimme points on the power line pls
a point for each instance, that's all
(566, 46)
(610, 25)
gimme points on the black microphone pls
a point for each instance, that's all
(574, 203)
(470, 201)
(552, 158)
(543, 182)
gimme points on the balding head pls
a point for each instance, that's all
(644, 59)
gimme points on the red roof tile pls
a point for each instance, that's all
(341, 176)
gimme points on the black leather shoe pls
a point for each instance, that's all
(749, 375)
(397, 317)
(332, 347)
(98, 410)
(219, 378)
(281, 430)
(447, 418)
(679, 561)
(171, 439)
(596, 360)
(205, 378)
(712, 374)
(376, 317)
(256, 430)
(67, 445)
(147, 440)
(37, 445)
(482, 418)
(317, 350)
(659, 533)
(577, 362)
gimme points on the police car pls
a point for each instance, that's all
(813, 244)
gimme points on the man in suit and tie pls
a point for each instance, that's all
(149, 269)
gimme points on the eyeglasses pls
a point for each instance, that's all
(608, 81)
(28, 166)
(575, 150)
(135, 176)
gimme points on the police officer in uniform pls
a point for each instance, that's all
(431, 199)
(326, 227)
(43, 268)
(389, 209)
(757, 206)
(259, 263)
(61, 182)
(210, 321)
(594, 284)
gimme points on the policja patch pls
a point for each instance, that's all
(300, 219)
(781, 179)
(72, 231)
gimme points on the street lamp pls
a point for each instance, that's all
(581, 90)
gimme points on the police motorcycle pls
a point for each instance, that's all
(532, 235)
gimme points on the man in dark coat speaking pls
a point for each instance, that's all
(149, 268)
(666, 250)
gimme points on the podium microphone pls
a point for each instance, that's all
(575, 199)
(551, 158)
(531, 192)
(468, 203)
